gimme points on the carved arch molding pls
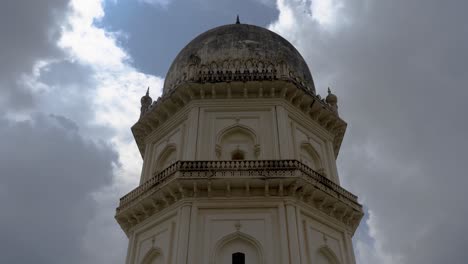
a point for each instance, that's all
(238, 238)
(310, 157)
(328, 254)
(247, 139)
(166, 157)
(153, 256)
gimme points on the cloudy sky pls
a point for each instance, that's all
(72, 73)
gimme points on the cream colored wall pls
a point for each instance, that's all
(159, 234)
(281, 231)
(279, 228)
(320, 237)
(279, 127)
(214, 120)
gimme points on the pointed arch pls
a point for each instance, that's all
(310, 157)
(328, 253)
(153, 255)
(238, 127)
(167, 156)
(238, 236)
(235, 140)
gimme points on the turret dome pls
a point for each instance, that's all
(238, 52)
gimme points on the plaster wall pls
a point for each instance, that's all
(267, 230)
(277, 128)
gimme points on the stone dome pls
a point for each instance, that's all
(238, 52)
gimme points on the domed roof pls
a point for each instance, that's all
(238, 52)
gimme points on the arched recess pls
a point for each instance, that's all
(153, 256)
(167, 156)
(237, 142)
(237, 242)
(326, 256)
(310, 157)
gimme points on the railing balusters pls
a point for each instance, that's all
(249, 166)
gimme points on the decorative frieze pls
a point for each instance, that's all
(232, 70)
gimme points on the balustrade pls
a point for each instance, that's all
(235, 165)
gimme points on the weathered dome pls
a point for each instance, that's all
(238, 52)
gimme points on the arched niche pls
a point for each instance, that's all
(309, 156)
(167, 156)
(326, 256)
(237, 142)
(153, 256)
(236, 244)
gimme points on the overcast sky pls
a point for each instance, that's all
(72, 74)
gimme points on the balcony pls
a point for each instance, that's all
(238, 178)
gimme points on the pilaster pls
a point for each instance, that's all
(183, 232)
(291, 219)
(284, 133)
(191, 134)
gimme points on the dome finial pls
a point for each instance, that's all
(147, 91)
(237, 20)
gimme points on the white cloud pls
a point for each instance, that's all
(89, 44)
(325, 11)
(118, 86)
(115, 103)
(162, 3)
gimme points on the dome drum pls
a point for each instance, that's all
(238, 70)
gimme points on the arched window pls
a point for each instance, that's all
(238, 258)
(238, 248)
(238, 155)
(237, 143)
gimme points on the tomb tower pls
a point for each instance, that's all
(239, 159)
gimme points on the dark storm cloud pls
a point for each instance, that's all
(48, 172)
(29, 31)
(66, 73)
(156, 34)
(399, 70)
(69, 91)
(49, 167)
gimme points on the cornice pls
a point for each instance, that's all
(312, 106)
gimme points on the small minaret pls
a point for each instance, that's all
(146, 102)
(332, 100)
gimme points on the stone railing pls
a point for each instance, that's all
(234, 165)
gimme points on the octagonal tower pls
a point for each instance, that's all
(239, 160)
